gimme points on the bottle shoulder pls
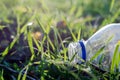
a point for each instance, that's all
(111, 30)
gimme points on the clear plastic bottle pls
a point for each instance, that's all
(106, 37)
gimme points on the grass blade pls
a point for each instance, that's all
(79, 34)
(115, 59)
(73, 57)
(97, 54)
(73, 35)
(38, 45)
(10, 46)
(112, 4)
(40, 25)
(1, 75)
(25, 74)
(30, 43)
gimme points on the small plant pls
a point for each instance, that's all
(38, 50)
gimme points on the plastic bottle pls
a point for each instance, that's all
(106, 38)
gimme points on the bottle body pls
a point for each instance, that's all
(106, 38)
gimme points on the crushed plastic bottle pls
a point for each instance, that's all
(107, 38)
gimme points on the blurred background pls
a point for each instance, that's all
(77, 13)
(30, 28)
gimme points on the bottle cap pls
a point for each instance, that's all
(77, 52)
(83, 50)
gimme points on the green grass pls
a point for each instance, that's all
(60, 22)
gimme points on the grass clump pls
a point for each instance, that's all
(34, 36)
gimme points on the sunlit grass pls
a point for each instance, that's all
(49, 56)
